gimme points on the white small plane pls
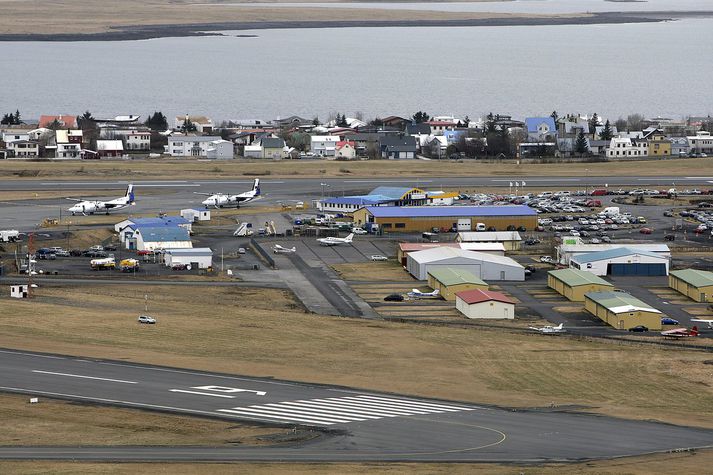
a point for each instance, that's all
(549, 329)
(680, 333)
(703, 320)
(335, 241)
(283, 250)
(417, 294)
(90, 207)
(218, 200)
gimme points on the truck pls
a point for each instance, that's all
(128, 265)
(9, 235)
(103, 264)
(610, 211)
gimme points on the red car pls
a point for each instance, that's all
(599, 193)
(645, 231)
(144, 253)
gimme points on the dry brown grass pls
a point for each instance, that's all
(180, 169)
(380, 271)
(82, 424)
(236, 330)
(92, 16)
(684, 463)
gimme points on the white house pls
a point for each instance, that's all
(204, 125)
(199, 146)
(197, 257)
(702, 142)
(478, 303)
(345, 149)
(627, 147)
(193, 215)
(137, 140)
(68, 150)
(19, 291)
(484, 266)
(24, 149)
(14, 136)
(324, 145)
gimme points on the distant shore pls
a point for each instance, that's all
(144, 32)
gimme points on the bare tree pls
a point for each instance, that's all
(634, 121)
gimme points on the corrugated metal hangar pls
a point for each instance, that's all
(574, 283)
(459, 218)
(449, 281)
(695, 284)
(484, 266)
(622, 261)
(622, 310)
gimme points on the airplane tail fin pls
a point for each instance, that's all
(560, 326)
(436, 292)
(130, 193)
(349, 238)
(256, 187)
(694, 331)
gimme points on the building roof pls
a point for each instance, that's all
(448, 277)
(478, 296)
(619, 302)
(67, 121)
(480, 236)
(418, 129)
(165, 221)
(196, 119)
(694, 277)
(533, 123)
(344, 143)
(394, 192)
(576, 277)
(272, 142)
(613, 254)
(585, 248)
(467, 246)
(443, 253)
(110, 145)
(195, 251)
(448, 211)
(194, 138)
(163, 233)
(364, 200)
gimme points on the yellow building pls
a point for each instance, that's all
(574, 283)
(659, 145)
(449, 281)
(446, 218)
(621, 310)
(694, 284)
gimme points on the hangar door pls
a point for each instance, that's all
(636, 269)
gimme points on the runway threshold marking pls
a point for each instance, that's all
(69, 375)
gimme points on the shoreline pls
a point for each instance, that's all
(145, 32)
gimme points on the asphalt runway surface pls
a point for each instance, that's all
(355, 425)
(174, 195)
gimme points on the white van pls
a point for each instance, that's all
(480, 227)
(610, 211)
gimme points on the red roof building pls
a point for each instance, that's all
(66, 121)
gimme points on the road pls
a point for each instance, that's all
(356, 425)
(173, 195)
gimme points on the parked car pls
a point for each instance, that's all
(547, 259)
(241, 250)
(76, 253)
(146, 319)
(144, 252)
(669, 237)
(645, 231)
(639, 328)
(110, 247)
(378, 257)
(668, 321)
(181, 267)
(62, 253)
(357, 230)
(394, 298)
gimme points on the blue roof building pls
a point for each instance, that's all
(541, 129)
(380, 196)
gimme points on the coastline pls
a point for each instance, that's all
(145, 32)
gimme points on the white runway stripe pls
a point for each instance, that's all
(342, 410)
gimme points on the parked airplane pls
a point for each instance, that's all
(703, 320)
(417, 294)
(90, 207)
(218, 200)
(549, 329)
(283, 250)
(680, 332)
(335, 241)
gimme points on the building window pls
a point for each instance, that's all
(400, 225)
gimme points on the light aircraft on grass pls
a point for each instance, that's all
(549, 329)
(680, 332)
(218, 200)
(417, 294)
(86, 207)
(335, 241)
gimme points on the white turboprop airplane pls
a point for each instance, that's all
(218, 200)
(86, 207)
(283, 250)
(549, 329)
(417, 294)
(703, 320)
(335, 241)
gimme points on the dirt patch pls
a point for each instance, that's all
(373, 271)
(568, 309)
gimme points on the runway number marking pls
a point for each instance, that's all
(217, 391)
(84, 377)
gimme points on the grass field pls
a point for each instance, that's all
(179, 169)
(380, 271)
(263, 332)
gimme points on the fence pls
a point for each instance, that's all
(262, 253)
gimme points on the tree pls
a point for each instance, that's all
(17, 117)
(54, 125)
(377, 122)
(342, 120)
(157, 121)
(188, 126)
(606, 132)
(581, 146)
(421, 117)
(593, 123)
(621, 124)
(315, 121)
(11, 118)
(490, 124)
(86, 121)
(633, 121)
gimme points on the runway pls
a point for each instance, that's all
(173, 195)
(356, 425)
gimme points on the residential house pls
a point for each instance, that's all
(397, 146)
(396, 122)
(364, 141)
(199, 146)
(68, 144)
(324, 145)
(292, 122)
(110, 148)
(436, 145)
(203, 124)
(345, 149)
(23, 149)
(8, 136)
(679, 147)
(65, 121)
(627, 147)
(700, 143)
(438, 127)
(659, 144)
(541, 129)
(267, 147)
(599, 147)
(138, 141)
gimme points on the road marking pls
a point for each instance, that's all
(84, 377)
(421, 403)
(535, 179)
(387, 181)
(32, 354)
(226, 389)
(200, 393)
(255, 414)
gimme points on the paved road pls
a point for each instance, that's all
(356, 425)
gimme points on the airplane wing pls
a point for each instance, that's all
(74, 199)
(415, 291)
(204, 194)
